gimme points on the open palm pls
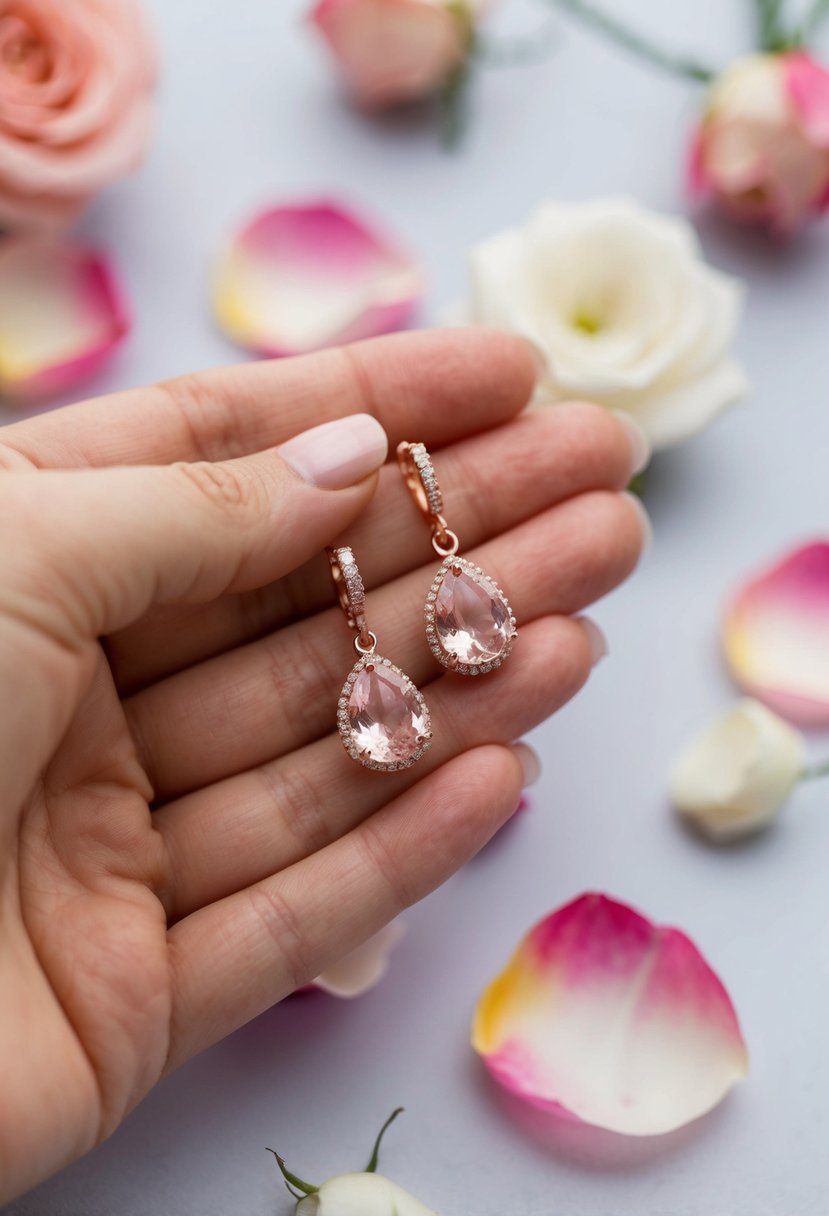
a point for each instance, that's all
(183, 840)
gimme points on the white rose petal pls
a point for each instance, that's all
(361, 1195)
(624, 307)
(364, 967)
(735, 777)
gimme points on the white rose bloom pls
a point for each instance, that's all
(361, 1195)
(623, 306)
(736, 776)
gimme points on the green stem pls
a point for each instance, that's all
(770, 33)
(811, 771)
(291, 1179)
(812, 22)
(375, 1156)
(636, 485)
(592, 15)
(517, 52)
(454, 105)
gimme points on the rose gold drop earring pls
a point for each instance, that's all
(383, 719)
(469, 623)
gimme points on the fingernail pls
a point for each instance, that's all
(339, 453)
(540, 357)
(640, 444)
(529, 761)
(647, 526)
(596, 639)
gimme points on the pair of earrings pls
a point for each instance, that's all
(383, 719)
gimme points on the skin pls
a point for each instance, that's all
(183, 840)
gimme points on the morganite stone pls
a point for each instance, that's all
(386, 715)
(471, 619)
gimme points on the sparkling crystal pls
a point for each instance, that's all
(387, 717)
(472, 618)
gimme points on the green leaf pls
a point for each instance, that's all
(771, 33)
(454, 106)
(291, 1180)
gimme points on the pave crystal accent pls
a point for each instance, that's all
(354, 587)
(428, 478)
(383, 719)
(469, 623)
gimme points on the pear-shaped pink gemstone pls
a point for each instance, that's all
(387, 717)
(472, 619)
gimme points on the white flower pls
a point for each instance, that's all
(736, 776)
(361, 1195)
(622, 304)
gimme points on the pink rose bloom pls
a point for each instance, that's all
(391, 51)
(76, 84)
(763, 146)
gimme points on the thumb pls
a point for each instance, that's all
(94, 549)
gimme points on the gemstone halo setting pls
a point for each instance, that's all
(382, 717)
(470, 626)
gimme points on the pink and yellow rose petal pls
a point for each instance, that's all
(612, 1020)
(776, 635)
(299, 278)
(62, 315)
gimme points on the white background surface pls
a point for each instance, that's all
(249, 114)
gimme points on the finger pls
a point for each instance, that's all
(238, 831)
(111, 542)
(491, 483)
(236, 958)
(442, 383)
(261, 701)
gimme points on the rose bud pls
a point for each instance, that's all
(392, 51)
(736, 776)
(762, 148)
(361, 1195)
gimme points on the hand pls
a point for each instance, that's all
(183, 840)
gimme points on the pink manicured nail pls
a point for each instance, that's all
(339, 453)
(529, 761)
(596, 639)
(640, 444)
(540, 357)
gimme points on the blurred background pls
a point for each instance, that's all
(251, 114)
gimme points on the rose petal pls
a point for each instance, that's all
(687, 409)
(614, 1021)
(808, 87)
(364, 967)
(300, 278)
(61, 316)
(776, 635)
